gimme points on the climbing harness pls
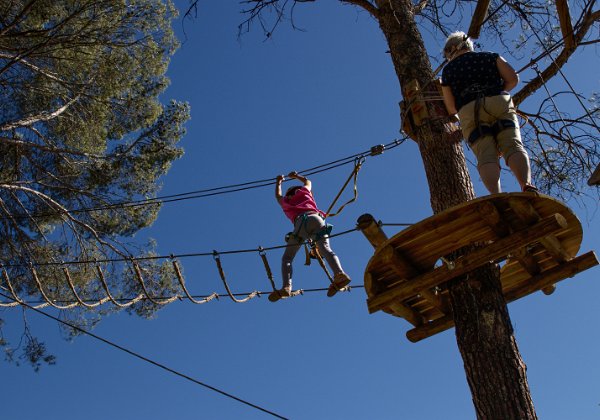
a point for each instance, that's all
(493, 130)
(482, 130)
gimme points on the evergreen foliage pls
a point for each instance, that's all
(81, 127)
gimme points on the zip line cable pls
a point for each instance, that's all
(226, 189)
(147, 360)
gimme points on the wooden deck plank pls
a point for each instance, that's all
(539, 282)
(401, 278)
(469, 262)
(553, 275)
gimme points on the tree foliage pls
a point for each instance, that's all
(82, 128)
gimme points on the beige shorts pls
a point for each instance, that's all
(488, 149)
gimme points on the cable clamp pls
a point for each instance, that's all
(261, 251)
(216, 255)
(377, 150)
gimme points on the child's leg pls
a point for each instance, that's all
(327, 253)
(293, 245)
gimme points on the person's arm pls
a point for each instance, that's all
(449, 100)
(301, 178)
(278, 195)
(507, 73)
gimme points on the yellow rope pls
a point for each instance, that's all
(357, 165)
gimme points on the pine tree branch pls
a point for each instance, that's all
(42, 116)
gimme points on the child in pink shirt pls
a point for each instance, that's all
(299, 206)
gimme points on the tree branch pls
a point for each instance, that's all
(366, 5)
(587, 22)
(42, 116)
(49, 149)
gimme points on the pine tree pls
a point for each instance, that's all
(82, 128)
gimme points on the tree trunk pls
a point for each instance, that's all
(495, 371)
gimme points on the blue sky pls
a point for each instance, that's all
(261, 108)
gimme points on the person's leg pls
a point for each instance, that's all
(484, 148)
(509, 140)
(518, 162)
(490, 176)
(487, 163)
(328, 255)
(291, 249)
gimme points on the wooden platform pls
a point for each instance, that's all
(537, 237)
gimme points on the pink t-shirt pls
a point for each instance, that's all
(301, 202)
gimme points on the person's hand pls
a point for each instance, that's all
(293, 174)
(280, 179)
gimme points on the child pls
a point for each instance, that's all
(299, 206)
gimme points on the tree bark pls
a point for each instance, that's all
(495, 370)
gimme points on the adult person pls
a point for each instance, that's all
(300, 207)
(475, 85)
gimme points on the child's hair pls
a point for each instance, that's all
(292, 190)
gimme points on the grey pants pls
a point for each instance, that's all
(305, 228)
